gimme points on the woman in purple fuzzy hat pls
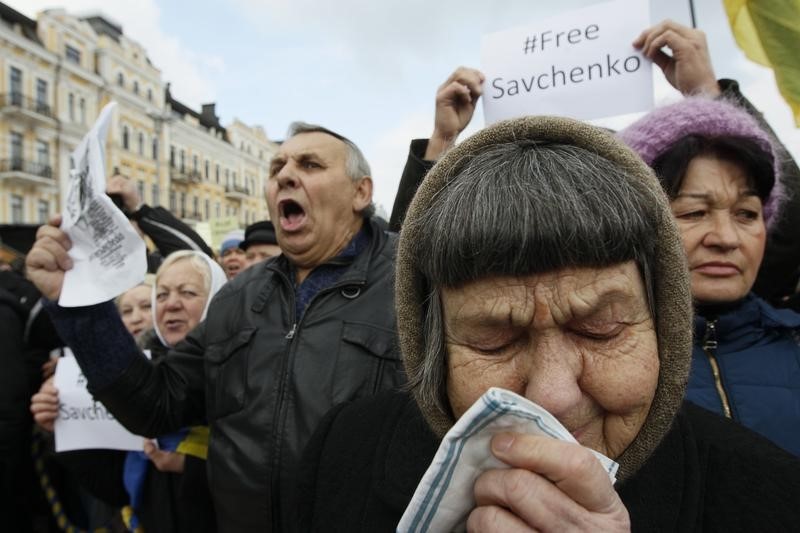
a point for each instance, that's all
(719, 169)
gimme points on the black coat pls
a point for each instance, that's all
(15, 418)
(364, 463)
(260, 381)
(168, 234)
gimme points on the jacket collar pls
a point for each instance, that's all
(750, 312)
(375, 238)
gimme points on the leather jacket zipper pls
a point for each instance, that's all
(709, 347)
(279, 416)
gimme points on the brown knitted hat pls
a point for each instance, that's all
(673, 302)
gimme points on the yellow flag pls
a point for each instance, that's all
(768, 31)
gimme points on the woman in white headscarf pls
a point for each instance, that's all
(184, 286)
(173, 496)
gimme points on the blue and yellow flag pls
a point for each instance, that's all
(768, 31)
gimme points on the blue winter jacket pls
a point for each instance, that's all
(758, 358)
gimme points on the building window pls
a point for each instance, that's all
(16, 150)
(43, 153)
(71, 107)
(216, 170)
(155, 196)
(43, 211)
(172, 156)
(155, 148)
(227, 179)
(194, 163)
(135, 87)
(150, 94)
(17, 209)
(125, 139)
(208, 209)
(208, 166)
(141, 143)
(41, 96)
(183, 205)
(234, 178)
(140, 187)
(216, 208)
(172, 205)
(72, 54)
(83, 110)
(121, 79)
(195, 206)
(183, 161)
(15, 77)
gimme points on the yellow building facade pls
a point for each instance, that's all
(58, 72)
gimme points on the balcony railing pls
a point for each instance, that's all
(28, 104)
(191, 176)
(22, 166)
(191, 215)
(236, 191)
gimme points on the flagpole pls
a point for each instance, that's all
(691, 12)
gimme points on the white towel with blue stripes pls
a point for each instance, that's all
(444, 497)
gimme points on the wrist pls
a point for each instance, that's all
(710, 89)
(132, 213)
(438, 144)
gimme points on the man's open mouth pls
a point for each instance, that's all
(292, 215)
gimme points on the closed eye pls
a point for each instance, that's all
(498, 347)
(697, 214)
(748, 214)
(603, 334)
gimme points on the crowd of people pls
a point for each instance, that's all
(637, 285)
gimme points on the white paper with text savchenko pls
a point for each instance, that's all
(108, 256)
(580, 64)
(83, 422)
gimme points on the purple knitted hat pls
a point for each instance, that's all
(659, 130)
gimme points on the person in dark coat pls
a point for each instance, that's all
(260, 242)
(16, 469)
(501, 283)
(283, 342)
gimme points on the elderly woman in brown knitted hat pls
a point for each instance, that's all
(540, 256)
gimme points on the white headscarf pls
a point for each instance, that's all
(218, 279)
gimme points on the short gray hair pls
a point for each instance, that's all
(356, 164)
(521, 208)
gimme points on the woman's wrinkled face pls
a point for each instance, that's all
(180, 299)
(579, 342)
(134, 308)
(722, 225)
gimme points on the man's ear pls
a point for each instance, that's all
(363, 194)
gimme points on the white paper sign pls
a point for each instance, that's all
(108, 256)
(84, 423)
(580, 64)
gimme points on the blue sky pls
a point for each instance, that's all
(367, 69)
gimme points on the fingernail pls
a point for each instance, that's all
(502, 442)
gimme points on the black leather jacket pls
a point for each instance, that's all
(266, 381)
